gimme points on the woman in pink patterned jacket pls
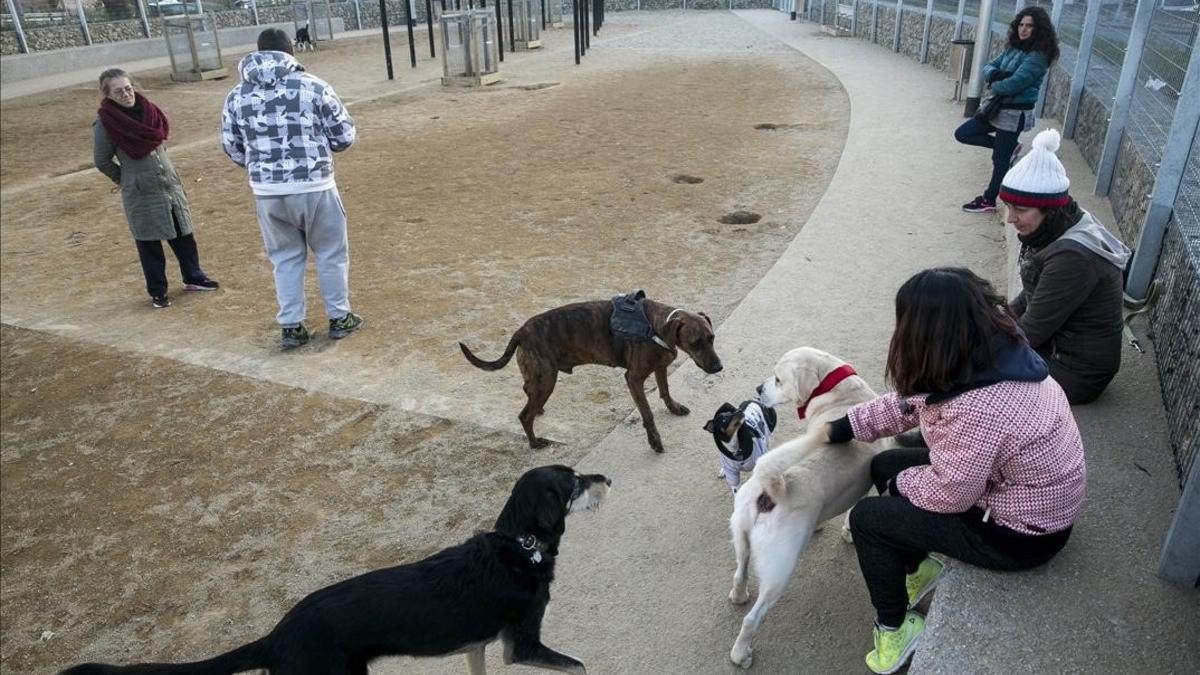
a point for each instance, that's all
(1003, 476)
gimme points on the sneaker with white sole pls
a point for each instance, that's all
(201, 284)
(160, 301)
(925, 579)
(980, 204)
(893, 648)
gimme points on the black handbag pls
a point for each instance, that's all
(989, 106)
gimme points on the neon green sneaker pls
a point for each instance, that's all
(920, 583)
(893, 648)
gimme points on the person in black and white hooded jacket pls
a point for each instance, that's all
(283, 124)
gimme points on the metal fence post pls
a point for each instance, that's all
(1056, 11)
(1120, 112)
(1181, 549)
(254, 9)
(16, 19)
(1079, 76)
(896, 33)
(1166, 182)
(142, 16)
(958, 19)
(854, 19)
(87, 35)
(925, 32)
(979, 56)
(874, 20)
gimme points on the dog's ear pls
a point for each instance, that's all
(706, 318)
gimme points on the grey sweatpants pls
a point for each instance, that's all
(291, 224)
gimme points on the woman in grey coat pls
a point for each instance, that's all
(132, 129)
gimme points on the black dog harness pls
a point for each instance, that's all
(629, 322)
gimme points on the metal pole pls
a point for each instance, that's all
(874, 20)
(16, 19)
(1120, 112)
(254, 11)
(587, 34)
(499, 26)
(412, 45)
(899, 18)
(958, 19)
(429, 27)
(87, 35)
(854, 19)
(925, 32)
(141, 15)
(1055, 18)
(983, 44)
(357, 15)
(1082, 58)
(575, 27)
(512, 29)
(1181, 547)
(387, 41)
(1166, 182)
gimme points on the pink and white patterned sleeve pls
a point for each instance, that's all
(882, 416)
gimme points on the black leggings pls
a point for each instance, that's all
(154, 263)
(892, 536)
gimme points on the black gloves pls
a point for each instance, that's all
(998, 75)
(840, 430)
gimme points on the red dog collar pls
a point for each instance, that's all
(833, 379)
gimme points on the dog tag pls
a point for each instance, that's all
(537, 556)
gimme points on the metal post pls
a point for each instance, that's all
(429, 27)
(408, 23)
(1120, 112)
(874, 20)
(1079, 77)
(357, 16)
(854, 19)
(983, 43)
(575, 27)
(499, 25)
(1166, 182)
(87, 35)
(958, 19)
(387, 41)
(925, 32)
(16, 19)
(254, 11)
(896, 34)
(142, 16)
(512, 30)
(1055, 18)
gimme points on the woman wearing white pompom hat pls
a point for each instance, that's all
(1071, 271)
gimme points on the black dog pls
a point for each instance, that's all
(303, 40)
(494, 585)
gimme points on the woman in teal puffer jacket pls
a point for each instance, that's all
(1016, 76)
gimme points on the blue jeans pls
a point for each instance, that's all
(977, 132)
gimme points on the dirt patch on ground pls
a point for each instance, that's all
(171, 483)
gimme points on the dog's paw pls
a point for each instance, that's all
(678, 409)
(738, 595)
(540, 443)
(741, 658)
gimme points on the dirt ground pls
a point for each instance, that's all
(171, 482)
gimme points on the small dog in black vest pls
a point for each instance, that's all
(303, 40)
(742, 435)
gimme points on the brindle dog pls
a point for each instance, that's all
(578, 334)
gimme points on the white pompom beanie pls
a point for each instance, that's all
(1039, 179)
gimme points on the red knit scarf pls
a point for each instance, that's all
(137, 138)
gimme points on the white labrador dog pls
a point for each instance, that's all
(799, 484)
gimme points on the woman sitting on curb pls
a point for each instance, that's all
(1016, 76)
(1072, 273)
(1003, 477)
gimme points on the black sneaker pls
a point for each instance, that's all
(980, 205)
(294, 336)
(201, 284)
(340, 328)
(160, 301)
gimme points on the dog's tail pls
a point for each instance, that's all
(246, 657)
(498, 363)
(772, 469)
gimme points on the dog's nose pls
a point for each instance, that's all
(716, 367)
(608, 482)
(758, 390)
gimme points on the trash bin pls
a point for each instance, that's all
(961, 53)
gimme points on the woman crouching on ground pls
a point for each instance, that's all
(132, 129)
(1003, 477)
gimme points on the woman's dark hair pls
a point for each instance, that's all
(274, 40)
(946, 321)
(1044, 39)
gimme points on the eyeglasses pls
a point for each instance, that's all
(127, 89)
